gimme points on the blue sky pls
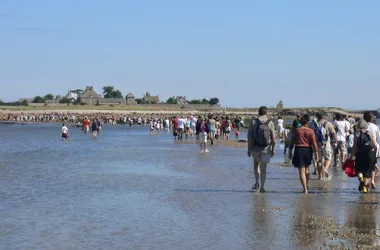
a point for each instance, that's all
(248, 53)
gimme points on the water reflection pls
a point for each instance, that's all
(261, 225)
(362, 215)
(304, 226)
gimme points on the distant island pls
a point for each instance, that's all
(87, 100)
(110, 97)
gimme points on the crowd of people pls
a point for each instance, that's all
(203, 128)
(310, 141)
(317, 142)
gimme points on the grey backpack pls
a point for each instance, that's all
(262, 134)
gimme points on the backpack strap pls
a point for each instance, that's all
(257, 120)
(267, 122)
(257, 123)
(316, 125)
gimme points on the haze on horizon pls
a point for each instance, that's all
(247, 53)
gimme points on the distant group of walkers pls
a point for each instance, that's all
(205, 128)
(317, 141)
(96, 127)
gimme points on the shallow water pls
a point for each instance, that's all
(129, 190)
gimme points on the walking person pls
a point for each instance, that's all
(198, 127)
(280, 127)
(261, 146)
(64, 132)
(228, 128)
(95, 127)
(100, 125)
(305, 144)
(203, 134)
(217, 129)
(342, 128)
(324, 132)
(193, 125)
(287, 137)
(364, 154)
(211, 123)
(374, 131)
(181, 127)
(86, 125)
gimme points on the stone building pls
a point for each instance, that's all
(151, 99)
(181, 100)
(280, 105)
(29, 100)
(90, 97)
(131, 99)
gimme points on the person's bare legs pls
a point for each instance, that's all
(256, 165)
(367, 182)
(263, 175)
(327, 165)
(212, 137)
(373, 179)
(344, 158)
(302, 173)
(307, 174)
(336, 157)
(320, 170)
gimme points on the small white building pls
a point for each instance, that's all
(72, 95)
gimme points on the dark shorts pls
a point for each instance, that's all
(180, 130)
(303, 156)
(364, 163)
(64, 136)
(350, 150)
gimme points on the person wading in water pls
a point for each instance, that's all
(305, 144)
(261, 146)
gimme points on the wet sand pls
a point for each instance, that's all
(129, 190)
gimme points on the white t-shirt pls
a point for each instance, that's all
(375, 132)
(343, 129)
(181, 123)
(280, 123)
(349, 125)
(65, 130)
(193, 121)
(351, 141)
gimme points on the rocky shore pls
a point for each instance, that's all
(10, 115)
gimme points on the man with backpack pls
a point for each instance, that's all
(325, 134)
(261, 146)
